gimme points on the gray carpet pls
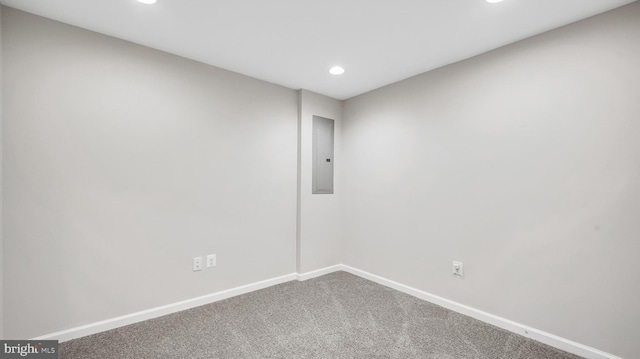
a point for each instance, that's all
(338, 315)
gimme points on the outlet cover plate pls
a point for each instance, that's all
(457, 268)
(211, 260)
(197, 264)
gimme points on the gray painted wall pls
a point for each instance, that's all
(524, 164)
(122, 163)
(320, 214)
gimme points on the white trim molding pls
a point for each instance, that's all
(520, 329)
(320, 272)
(156, 312)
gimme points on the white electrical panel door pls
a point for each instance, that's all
(322, 173)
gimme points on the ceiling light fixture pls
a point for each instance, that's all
(148, 2)
(336, 70)
(493, 1)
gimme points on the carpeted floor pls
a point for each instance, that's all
(338, 315)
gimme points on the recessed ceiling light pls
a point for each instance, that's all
(336, 70)
(493, 1)
(147, 1)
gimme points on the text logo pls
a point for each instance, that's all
(31, 349)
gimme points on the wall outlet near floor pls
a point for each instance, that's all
(458, 269)
(197, 263)
(211, 260)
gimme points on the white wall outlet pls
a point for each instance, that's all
(211, 260)
(457, 268)
(197, 263)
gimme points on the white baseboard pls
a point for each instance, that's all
(320, 272)
(108, 324)
(156, 312)
(521, 329)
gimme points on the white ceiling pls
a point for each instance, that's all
(294, 42)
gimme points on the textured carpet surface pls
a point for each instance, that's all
(338, 315)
